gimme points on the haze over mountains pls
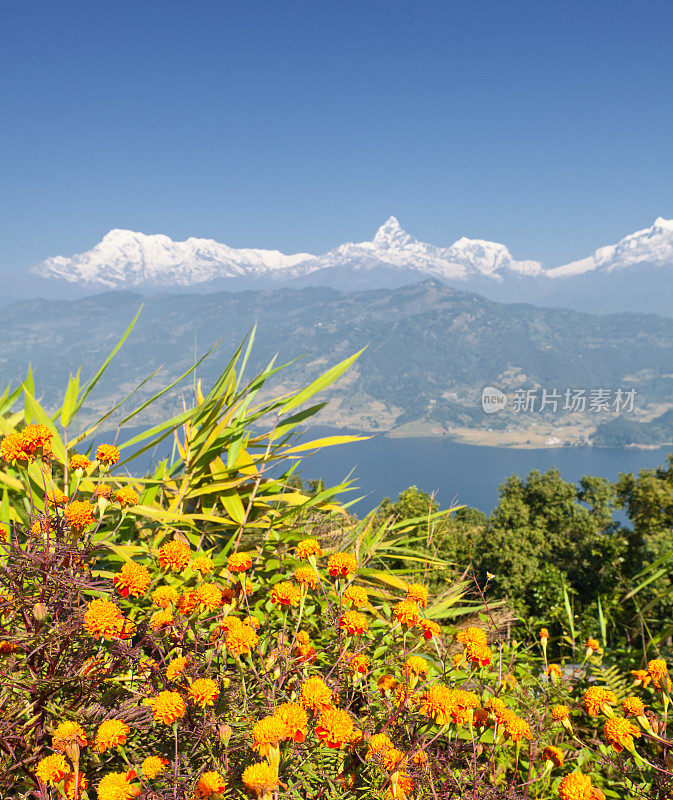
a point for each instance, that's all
(635, 274)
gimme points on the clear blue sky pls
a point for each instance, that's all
(300, 125)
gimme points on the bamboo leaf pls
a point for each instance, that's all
(321, 383)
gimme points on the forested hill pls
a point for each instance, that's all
(430, 349)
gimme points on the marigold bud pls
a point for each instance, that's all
(40, 612)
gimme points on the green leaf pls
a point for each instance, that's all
(321, 383)
(70, 399)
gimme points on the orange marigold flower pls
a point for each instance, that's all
(68, 734)
(392, 759)
(102, 619)
(386, 683)
(597, 700)
(448, 705)
(244, 588)
(52, 768)
(69, 785)
(553, 754)
(253, 622)
(204, 692)
(619, 732)
(102, 490)
(633, 707)
(13, 447)
(37, 438)
(307, 548)
(554, 672)
(161, 619)
(353, 622)
(111, 733)
(306, 577)
(78, 514)
(167, 707)
(239, 562)
(187, 603)
(560, 712)
(658, 671)
(417, 593)
(153, 765)
(406, 612)
(57, 497)
(209, 596)
(126, 497)
(416, 665)
(359, 663)
(267, 733)
(594, 645)
(260, 778)
(203, 564)
(210, 783)
(429, 628)
(117, 786)
(420, 758)
(174, 556)
(356, 596)
(496, 706)
(164, 596)
(335, 728)
(341, 564)
(285, 594)
(576, 786)
(472, 635)
(108, 454)
(544, 633)
(78, 461)
(295, 720)
(641, 677)
(133, 579)
(378, 746)
(515, 727)
(316, 695)
(176, 667)
(479, 653)
(241, 640)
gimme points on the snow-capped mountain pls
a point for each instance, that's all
(629, 275)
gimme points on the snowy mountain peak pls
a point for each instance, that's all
(391, 235)
(666, 224)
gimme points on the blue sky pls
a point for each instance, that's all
(300, 125)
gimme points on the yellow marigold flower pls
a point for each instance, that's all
(341, 564)
(203, 564)
(356, 596)
(126, 497)
(176, 667)
(658, 671)
(359, 663)
(167, 707)
(553, 754)
(306, 577)
(576, 786)
(335, 728)
(68, 734)
(253, 622)
(515, 727)
(102, 490)
(209, 596)
(619, 732)
(316, 695)
(69, 785)
(386, 683)
(241, 640)
(111, 733)
(102, 619)
(204, 692)
(377, 746)
(267, 733)
(544, 633)
(52, 769)
(295, 720)
(78, 461)
(417, 593)
(58, 498)
(429, 628)
(472, 634)
(161, 619)
(598, 699)
(174, 556)
(406, 613)
(633, 707)
(416, 665)
(479, 653)
(117, 786)
(260, 779)
(210, 783)
(152, 766)
(285, 594)
(78, 514)
(108, 454)
(164, 596)
(554, 672)
(132, 580)
(239, 562)
(353, 622)
(308, 547)
(641, 677)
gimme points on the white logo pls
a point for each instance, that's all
(492, 400)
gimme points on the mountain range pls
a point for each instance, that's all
(635, 274)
